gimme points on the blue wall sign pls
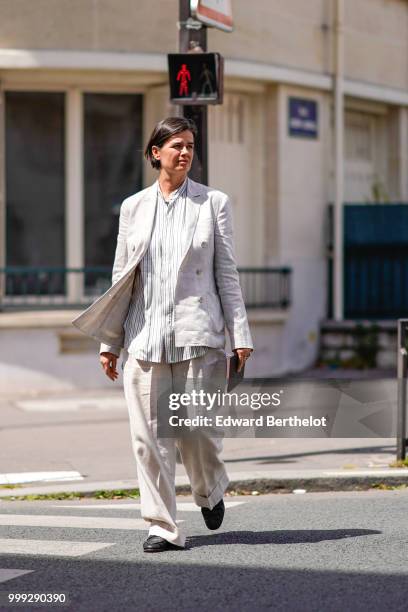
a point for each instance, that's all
(303, 118)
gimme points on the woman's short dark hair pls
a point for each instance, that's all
(165, 129)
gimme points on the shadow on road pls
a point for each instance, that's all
(291, 457)
(294, 536)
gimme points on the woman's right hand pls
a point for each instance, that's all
(108, 362)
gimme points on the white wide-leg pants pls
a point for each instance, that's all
(144, 384)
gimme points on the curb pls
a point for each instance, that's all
(314, 485)
(310, 480)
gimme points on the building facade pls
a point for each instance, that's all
(82, 83)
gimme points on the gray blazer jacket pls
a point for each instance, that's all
(208, 295)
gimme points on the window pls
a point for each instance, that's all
(113, 154)
(44, 228)
(35, 189)
(359, 136)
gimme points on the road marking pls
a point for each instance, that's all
(9, 574)
(77, 522)
(57, 548)
(72, 404)
(20, 477)
(182, 506)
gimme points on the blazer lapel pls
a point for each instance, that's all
(193, 202)
(142, 225)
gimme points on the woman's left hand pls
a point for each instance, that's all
(243, 354)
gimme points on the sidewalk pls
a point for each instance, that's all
(87, 433)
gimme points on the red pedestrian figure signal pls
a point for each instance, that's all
(195, 78)
(183, 76)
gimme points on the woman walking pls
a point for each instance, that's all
(175, 288)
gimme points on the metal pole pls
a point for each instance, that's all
(402, 388)
(3, 237)
(193, 32)
(339, 165)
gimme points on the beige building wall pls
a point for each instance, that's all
(369, 136)
(236, 134)
(303, 196)
(282, 32)
(376, 41)
(291, 33)
(398, 158)
(156, 105)
(108, 25)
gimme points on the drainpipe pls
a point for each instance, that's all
(338, 92)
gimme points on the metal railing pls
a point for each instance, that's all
(266, 287)
(51, 287)
(59, 287)
(402, 370)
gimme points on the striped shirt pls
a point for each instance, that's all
(149, 325)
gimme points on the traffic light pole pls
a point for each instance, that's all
(189, 34)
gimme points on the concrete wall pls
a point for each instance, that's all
(109, 25)
(280, 32)
(236, 132)
(376, 41)
(359, 344)
(42, 352)
(292, 33)
(32, 362)
(303, 194)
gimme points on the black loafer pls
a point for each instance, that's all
(155, 543)
(213, 518)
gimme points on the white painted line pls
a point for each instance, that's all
(76, 522)
(182, 506)
(9, 574)
(96, 506)
(20, 477)
(57, 548)
(72, 404)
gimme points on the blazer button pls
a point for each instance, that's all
(203, 244)
(198, 271)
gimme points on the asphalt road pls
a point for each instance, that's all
(317, 551)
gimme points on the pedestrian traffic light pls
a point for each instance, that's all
(196, 78)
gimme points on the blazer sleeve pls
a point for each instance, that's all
(227, 278)
(121, 257)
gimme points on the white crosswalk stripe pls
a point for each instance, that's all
(56, 548)
(22, 477)
(9, 574)
(68, 548)
(182, 506)
(77, 522)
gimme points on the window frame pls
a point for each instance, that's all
(74, 93)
